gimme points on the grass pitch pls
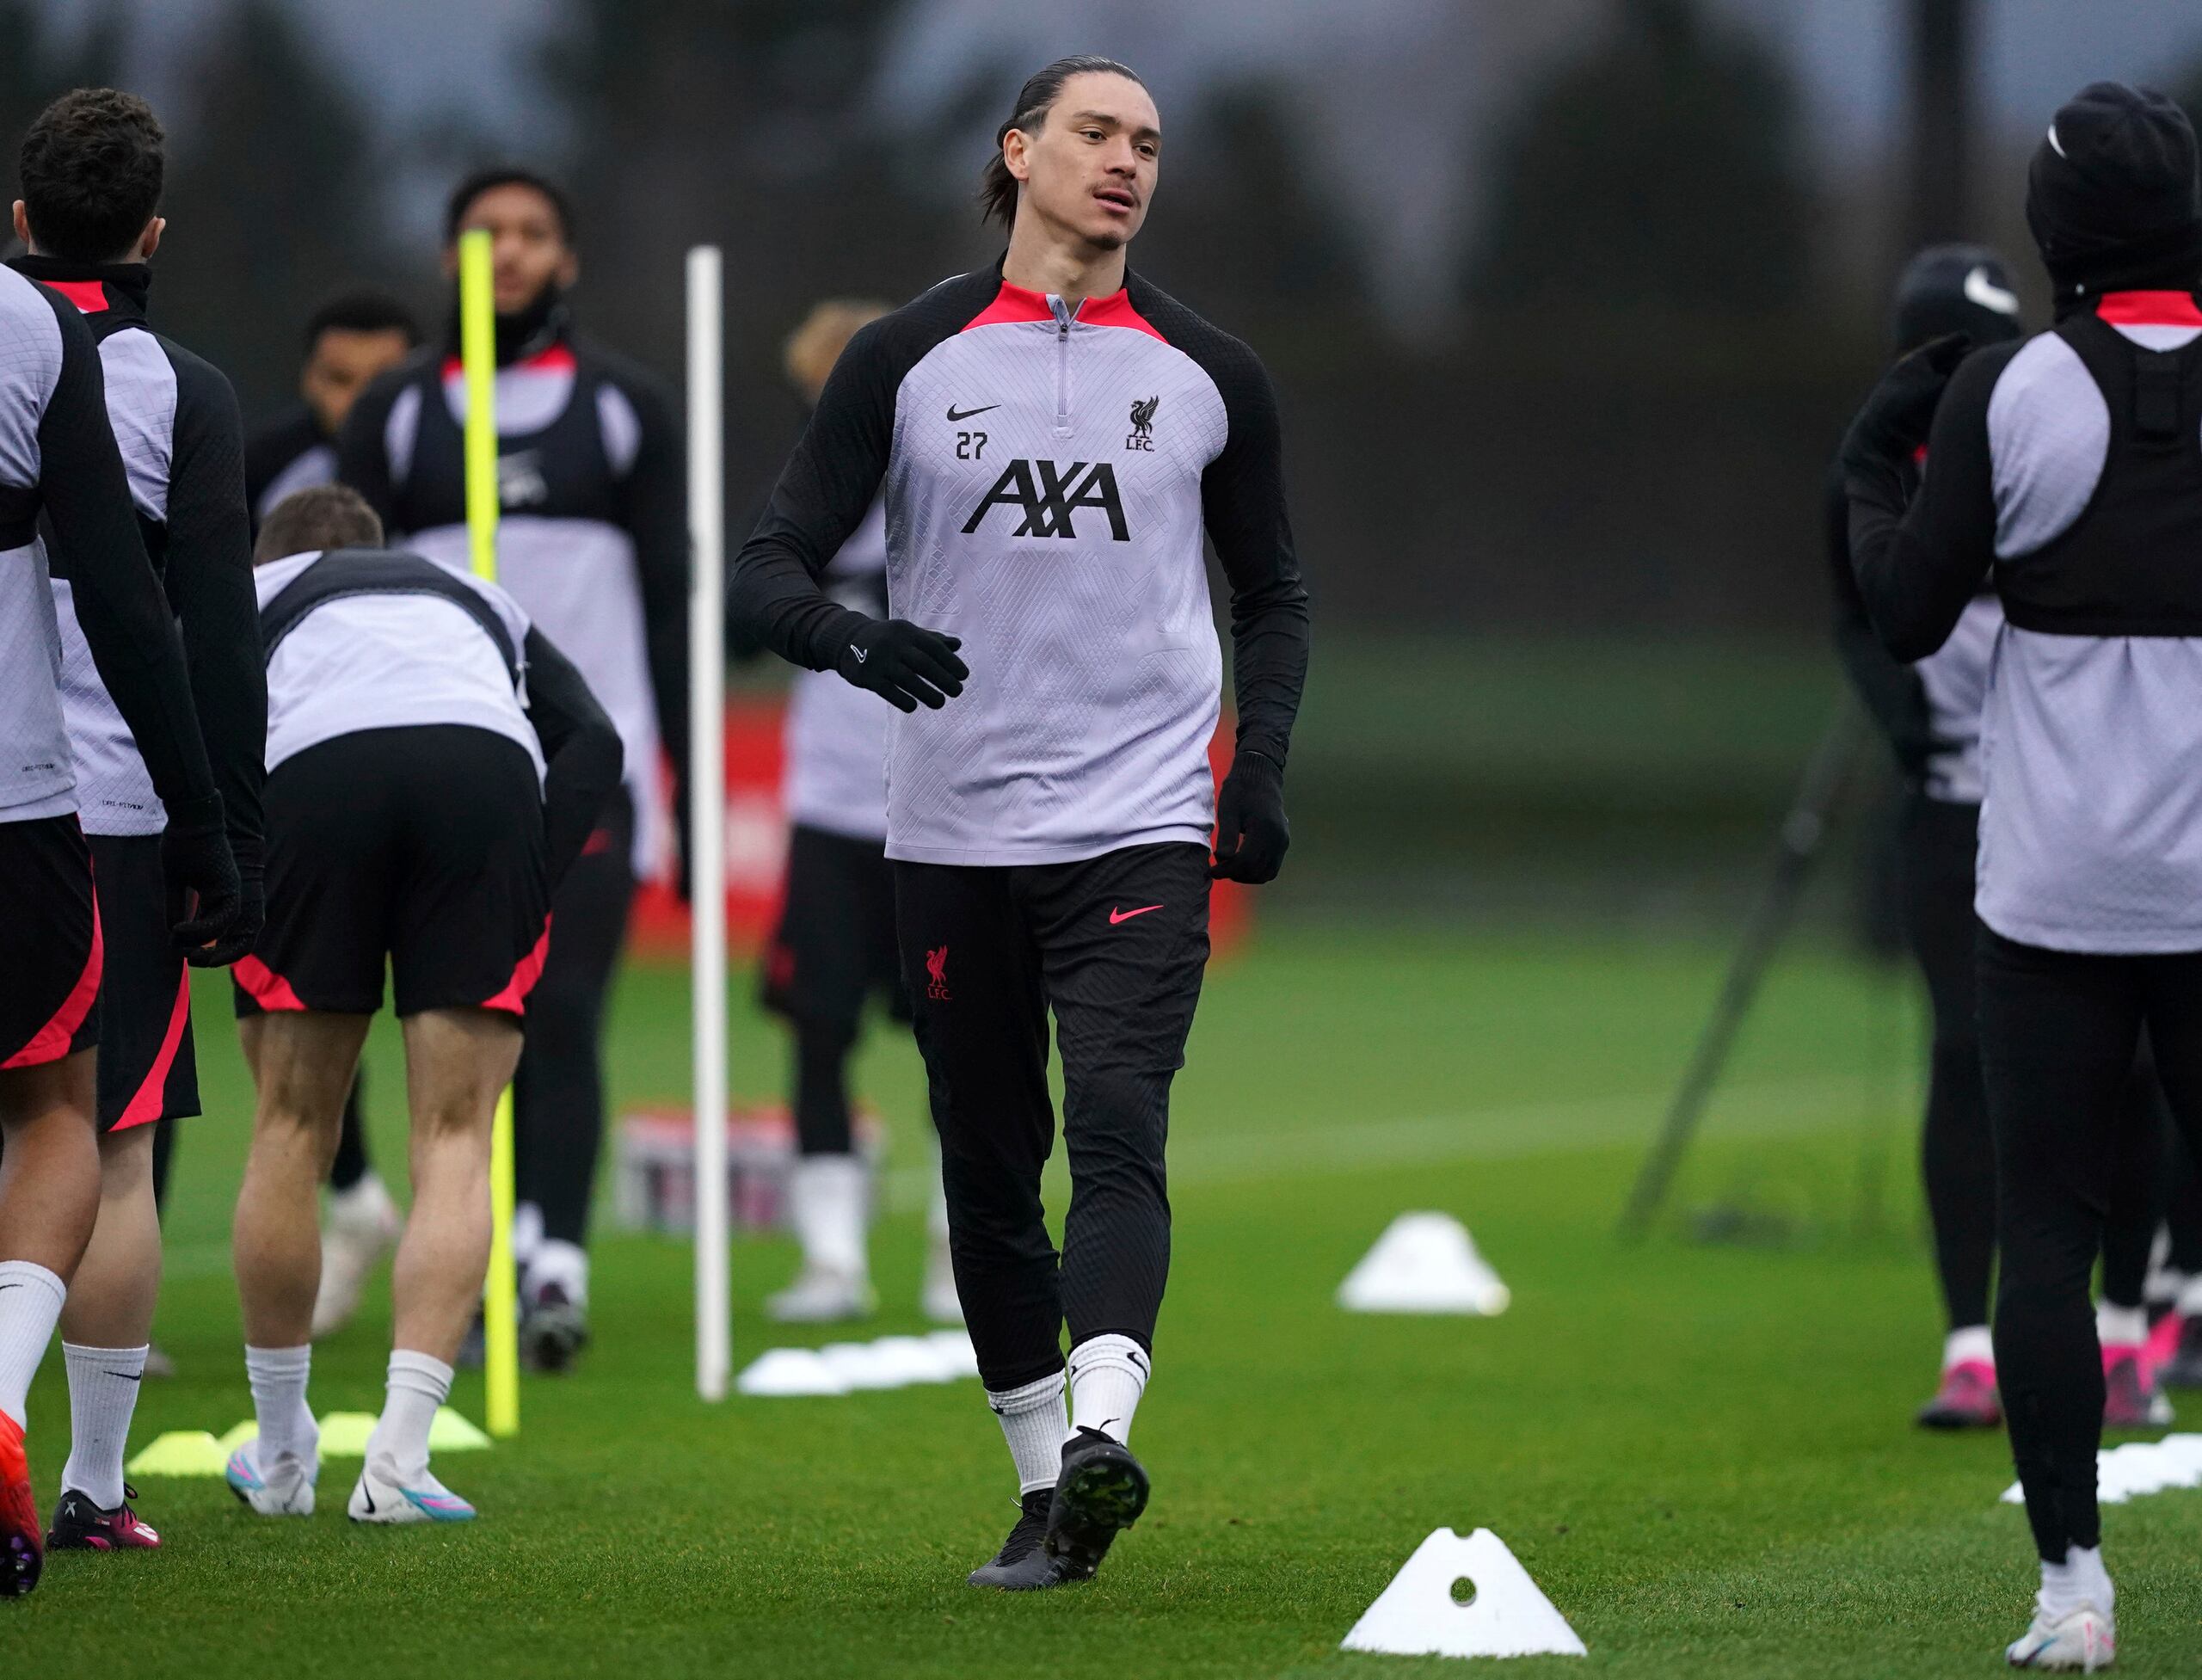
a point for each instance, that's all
(1703, 1455)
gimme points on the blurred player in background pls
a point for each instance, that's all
(2068, 466)
(834, 948)
(1929, 711)
(1054, 437)
(58, 461)
(594, 546)
(350, 341)
(434, 768)
(92, 170)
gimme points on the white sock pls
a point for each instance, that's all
(1033, 1423)
(419, 1383)
(30, 1305)
(565, 1264)
(2121, 1327)
(2190, 1297)
(826, 1206)
(1970, 1341)
(103, 1384)
(364, 1203)
(1107, 1377)
(527, 1234)
(2079, 1582)
(278, 1375)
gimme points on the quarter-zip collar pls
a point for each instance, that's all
(94, 287)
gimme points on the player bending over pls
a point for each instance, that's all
(2067, 466)
(350, 341)
(434, 767)
(1054, 436)
(92, 167)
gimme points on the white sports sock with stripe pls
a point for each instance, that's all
(104, 1386)
(1108, 1374)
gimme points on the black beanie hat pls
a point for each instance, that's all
(1955, 289)
(2113, 196)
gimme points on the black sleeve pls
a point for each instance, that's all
(1891, 692)
(1242, 503)
(1918, 567)
(581, 753)
(362, 456)
(654, 508)
(209, 573)
(773, 593)
(125, 617)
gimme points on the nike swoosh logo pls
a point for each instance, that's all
(1982, 291)
(955, 413)
(861, 654)
(1116, 916)
(368, 1493)
(127, 1376)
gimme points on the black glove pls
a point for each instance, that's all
(1900, 412)
(906, 666)
(207, 911)
(1251, 832)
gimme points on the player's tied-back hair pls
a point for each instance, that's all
(997, 188)
(91, 167)
(325, 516)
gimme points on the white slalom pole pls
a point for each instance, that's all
(707, 804)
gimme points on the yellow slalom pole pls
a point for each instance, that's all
(477, 346)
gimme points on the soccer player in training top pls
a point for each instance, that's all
(435, 766)
(92, 170)
(2067, 466)
(58, 458)
(1055, 435)
(592, 479)
(351, 341)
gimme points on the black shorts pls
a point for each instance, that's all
(834, 946)
(423, 846)
(149, 1067)
(52, 974)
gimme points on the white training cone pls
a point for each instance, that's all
(1424, 1263)
(1417, 1616)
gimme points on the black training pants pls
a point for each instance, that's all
(2058, 1032)
(558, 1091)
(1116, 946)
(1940, 838)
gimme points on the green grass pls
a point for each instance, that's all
(1702, 1454)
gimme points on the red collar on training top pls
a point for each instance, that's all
(2149, 309)
(1014, 304)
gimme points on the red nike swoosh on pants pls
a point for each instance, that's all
(1116, 916)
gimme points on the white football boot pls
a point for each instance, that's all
(2085, 1640)
(284, 1488)
(382, 1495)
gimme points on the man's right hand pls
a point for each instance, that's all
(195, 857)
(904, 664)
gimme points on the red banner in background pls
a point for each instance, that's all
(757, 845)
